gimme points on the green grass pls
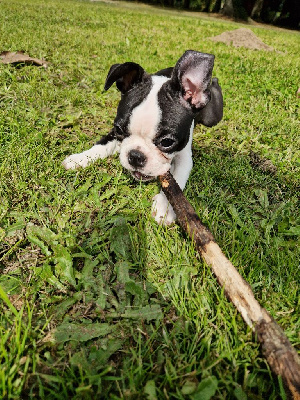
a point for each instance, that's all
(96, 300)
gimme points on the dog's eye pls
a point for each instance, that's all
(119, 132)
(167, 143)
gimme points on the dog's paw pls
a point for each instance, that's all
(162, 210)
(75, 161)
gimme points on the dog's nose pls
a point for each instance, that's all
(136, 158)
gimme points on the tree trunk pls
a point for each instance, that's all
(256, 10)
(216, 7)
(228, 9)
(235, 9)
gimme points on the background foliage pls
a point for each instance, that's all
(279, 12)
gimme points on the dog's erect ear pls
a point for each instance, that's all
(125, 75)
(192, 76)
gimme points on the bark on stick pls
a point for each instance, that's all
(276, 348)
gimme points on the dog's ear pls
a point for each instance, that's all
(125, 75)
(192, 77)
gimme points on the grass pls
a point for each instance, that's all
(97, 301)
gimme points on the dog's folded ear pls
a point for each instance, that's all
(125, 75)
(192, 77)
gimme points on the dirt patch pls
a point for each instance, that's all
(262, 163)
(242, 37)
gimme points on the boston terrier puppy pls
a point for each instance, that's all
(155, 120)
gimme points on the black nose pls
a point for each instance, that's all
(136, 158)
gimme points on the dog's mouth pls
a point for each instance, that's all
(142, 177)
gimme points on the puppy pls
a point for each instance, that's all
(155, 120)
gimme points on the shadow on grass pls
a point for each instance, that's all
(114, 334)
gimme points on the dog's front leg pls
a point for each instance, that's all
(107, 146)
(182, 164)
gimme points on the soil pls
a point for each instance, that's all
(242, 37)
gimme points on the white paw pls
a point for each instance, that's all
(74, 161)
(162, 210)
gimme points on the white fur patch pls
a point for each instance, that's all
(146, 116)
(157, 162)
(162, 210)
(143, 125)
(82, 160)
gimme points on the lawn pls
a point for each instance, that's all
(96, 299)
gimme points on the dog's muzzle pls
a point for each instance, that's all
(137, 159)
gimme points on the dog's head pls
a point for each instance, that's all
(156, 112)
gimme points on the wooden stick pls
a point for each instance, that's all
(276, 348)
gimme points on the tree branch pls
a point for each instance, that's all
(278, 351)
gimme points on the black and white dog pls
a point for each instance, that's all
(155, 121)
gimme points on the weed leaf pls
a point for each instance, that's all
(206, 389)
(81, 332)
(239, 394)
(189, 387)
(64, 264)
(147, 313)
(120, 242)
(122, 269)
(42, 233)
(39, 243)
(47, 240)
(150, 390)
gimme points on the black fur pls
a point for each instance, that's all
(176, 119)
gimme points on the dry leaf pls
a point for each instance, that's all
(19, 57)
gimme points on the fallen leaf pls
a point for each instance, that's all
(19, 57)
